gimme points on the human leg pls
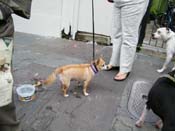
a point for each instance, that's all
(8, 119)
(131, 17)
(116, 36)
(143, 26)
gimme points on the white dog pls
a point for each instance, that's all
(168, 37)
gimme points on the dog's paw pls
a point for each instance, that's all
(160, 70)
(66, 95)
(139, 124)
(86, 94)
(173, 69)
(159, 124)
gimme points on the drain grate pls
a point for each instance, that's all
(136, 103)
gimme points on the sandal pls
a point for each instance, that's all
(110, 67)
(127, 74)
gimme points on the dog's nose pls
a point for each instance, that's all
(152, 35)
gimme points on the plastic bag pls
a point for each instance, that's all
(6, 27)
(20, 7)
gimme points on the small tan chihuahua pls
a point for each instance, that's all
(66, 73)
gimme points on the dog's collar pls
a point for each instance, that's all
(94, 68)
(169, 77)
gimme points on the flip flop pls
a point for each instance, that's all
(108, 68)
(123, 78)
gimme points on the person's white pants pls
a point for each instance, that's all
(126, 21)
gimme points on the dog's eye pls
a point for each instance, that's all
(158, 32)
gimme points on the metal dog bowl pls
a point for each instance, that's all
(26, 92)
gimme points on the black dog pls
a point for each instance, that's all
(161, 99)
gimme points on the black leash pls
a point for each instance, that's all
(93, 30)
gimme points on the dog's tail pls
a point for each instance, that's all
(52, 77)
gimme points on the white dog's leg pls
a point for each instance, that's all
(161, 70)
(173, 68)
(159, 124)
(167, 61)
(141, 120)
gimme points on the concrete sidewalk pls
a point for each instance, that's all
(100, 111)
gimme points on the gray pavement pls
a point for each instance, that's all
(102, 110)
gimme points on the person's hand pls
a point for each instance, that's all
(111, 1)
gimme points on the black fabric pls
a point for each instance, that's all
(6, 27)
(5, 10)
(111, 1)
(20, 7)
(6, 23)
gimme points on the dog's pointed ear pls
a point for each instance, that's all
(93, 61)
(97, 61)
(157, 25)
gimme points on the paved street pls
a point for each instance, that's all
(100, 111)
